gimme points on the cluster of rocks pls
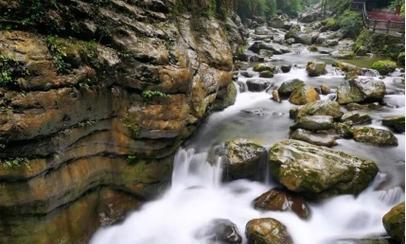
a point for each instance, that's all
(310, 172)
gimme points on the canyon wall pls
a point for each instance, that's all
(95, 98)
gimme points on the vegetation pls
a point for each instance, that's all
(10, 70)
(384, 66)
(132, 159)
(149, 95)
(131, 123)
(14, 162)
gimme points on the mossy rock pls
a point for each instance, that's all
(264, 67)
(315, 122)
(394, 222)
(396, 123)
(384, 67)
(303, 95)
(374, 136)
(319, 171)
(266, 74)
(288, 87)
(314, 68)
(330, 108)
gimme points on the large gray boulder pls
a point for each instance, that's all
(319, 171)
(374, 136)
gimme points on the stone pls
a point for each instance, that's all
(374, 136)
(303, 95)
(220, 231)
(319, 171)
(264, 67)
(325, 89)
(266, 74)
(288, 87)
(242, 159)
(319, 139)
(286, 68)
(315, 122)
(373, 90)
(275, 96)
(267, 231)
(257, 85)
(394, 222)
(347, 93)
(330, 108)
(344, 130)
(356, 118)
(346, 67)
(274, 47)
(314, 68)
(247, 74)
(281, 200)
(396, 123)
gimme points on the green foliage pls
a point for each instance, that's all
(331, 24)
(351, 23)
(10, 70)
(291, 7)
(14, 162)
(149, 95)
(57, 55)
(249, 8)
(131, 123)
(132, 159)
(337, 7)
(384, 66)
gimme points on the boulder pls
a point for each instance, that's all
(266, 74)
(281, 200)
(319, 139)
(276, 22)
(315, 122)
(314, 68)
(267, 231)
(326, 107)
(257, 85)
(286, 68)
(372, 89)
(309, 17)
(356, 118)
(264, 67)
(220, 231)
(257, 46)
(396, 123)
(347, 93)
(247, 74)
(325, 89)
(288, 87)
(384, 67)
(394, 222)
(344, 130)
(241, 159)
(319, 171)
(303, 95)
(374, 136)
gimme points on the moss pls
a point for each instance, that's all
(132, 124)
(331, 24)
(14, 162)
(10, 71)
(149, 95)
(132, 159)
(384, 66)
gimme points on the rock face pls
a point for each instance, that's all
(279, 200)
(220, 231)
(242, 159)
(267, 231)
(394, 222)
(97, 102)
(319, 171)
(374, 136)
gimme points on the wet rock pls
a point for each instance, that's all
(309, 17)
(325, 89)
(266, 74)
(314, 68)
(255, 111)
(262, 30)
(374, 136)
(303, 95)
(396, 123)
(356, 118)
(257, 85)
(266, 53)
(288, 87)
(221, 231)
(280, 200)
(276, 22)
(276, 97)
(267, 231)
(372, 89)
(330, 108)
(346, 67)
(247, 74)
(344, 130)
(264, 67)
(342, 54)
(242, 159)
(315, 122)
(357, 106)
(394, 222)
(256, 59)
(319, 171)
(274, 47)
(286, 68)
(319, 139)
(347, 93)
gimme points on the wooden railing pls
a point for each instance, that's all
(390, 27)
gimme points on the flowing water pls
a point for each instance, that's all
(197, 194)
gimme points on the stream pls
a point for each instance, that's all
(197, 195)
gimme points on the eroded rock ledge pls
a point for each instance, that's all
(95, 98)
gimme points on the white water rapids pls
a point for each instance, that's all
(197, 196)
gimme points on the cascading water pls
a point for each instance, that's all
(197, 195)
